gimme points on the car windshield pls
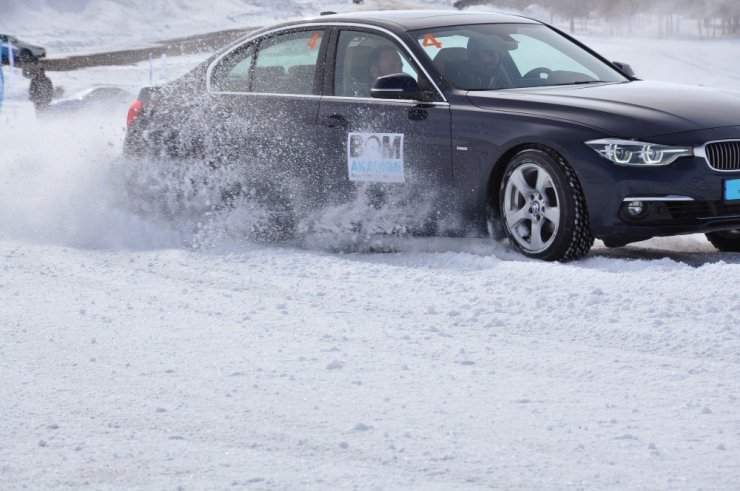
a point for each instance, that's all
(509, 56)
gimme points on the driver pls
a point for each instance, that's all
(486, 55)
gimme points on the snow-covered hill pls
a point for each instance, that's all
(80, 26)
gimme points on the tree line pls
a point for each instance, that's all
(710, 18)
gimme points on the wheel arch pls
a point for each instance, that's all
(575, 236)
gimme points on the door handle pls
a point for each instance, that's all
(336, 121)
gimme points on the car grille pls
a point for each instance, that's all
(724, 155)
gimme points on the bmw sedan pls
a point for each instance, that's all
(506, 126)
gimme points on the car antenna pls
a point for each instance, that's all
(328, 12)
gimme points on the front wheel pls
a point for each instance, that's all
(543, 209)
(725, 241)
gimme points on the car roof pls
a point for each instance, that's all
(413, 19)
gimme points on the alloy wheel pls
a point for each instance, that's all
(531, 207)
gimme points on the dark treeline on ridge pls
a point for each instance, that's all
(707, 18)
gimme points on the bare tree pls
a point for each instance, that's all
(713, 17)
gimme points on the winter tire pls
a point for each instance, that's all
(542, 207)
(272, 215)
(726, 241)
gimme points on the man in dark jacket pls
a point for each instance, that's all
(486, 56)
(41, 90)
(483, 67)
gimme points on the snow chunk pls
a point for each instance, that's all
(362, 427)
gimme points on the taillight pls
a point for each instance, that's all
(133, 112)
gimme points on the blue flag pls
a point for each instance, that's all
(2, 86)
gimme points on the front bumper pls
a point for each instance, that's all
(681, 198)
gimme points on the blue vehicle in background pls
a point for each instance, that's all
(5, 53)
(22, 51)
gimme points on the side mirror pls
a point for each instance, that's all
(396, 86)
(625, 68)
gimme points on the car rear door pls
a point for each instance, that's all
(373, 144)
(265, 100)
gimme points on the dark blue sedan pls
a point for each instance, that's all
(505, 125)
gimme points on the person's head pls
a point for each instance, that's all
(385, 60)
(485, 51)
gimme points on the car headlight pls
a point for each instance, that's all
(630, 152)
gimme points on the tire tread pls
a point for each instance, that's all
(723, 243)
(581, 238)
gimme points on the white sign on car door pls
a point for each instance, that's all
(375, 157)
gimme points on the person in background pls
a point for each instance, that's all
(41, 90)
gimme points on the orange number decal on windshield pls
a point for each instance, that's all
(430, 40)
(312, 42)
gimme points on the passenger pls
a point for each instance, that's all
(41, 90)
(383, 60)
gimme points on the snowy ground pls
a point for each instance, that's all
(157, 352)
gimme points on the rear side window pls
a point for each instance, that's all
(282, 64)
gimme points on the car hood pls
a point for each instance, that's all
(636, 109)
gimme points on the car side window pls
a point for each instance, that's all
(282, 64)
(362, 57)
(233, 73)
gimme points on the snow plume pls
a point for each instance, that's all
(64, 182)
(60, 185)
(212, 204)
(375, 216)
(222, 204)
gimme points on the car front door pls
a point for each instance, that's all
(381, 149)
